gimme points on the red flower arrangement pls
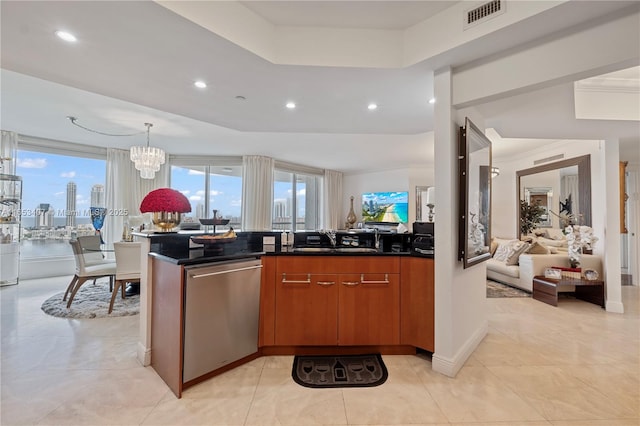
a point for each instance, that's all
(165, 200)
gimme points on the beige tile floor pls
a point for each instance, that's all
(539, 365)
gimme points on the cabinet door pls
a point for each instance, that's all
(369, 309)
(417, 302)
(306, 309)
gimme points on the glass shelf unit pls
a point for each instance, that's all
(10, 218)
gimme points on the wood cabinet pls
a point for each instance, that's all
(369, 309)
(307, 309)
(417, 302)
(332, 300)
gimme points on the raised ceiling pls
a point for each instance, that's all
(135, 62)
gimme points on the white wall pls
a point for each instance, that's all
(386, 180)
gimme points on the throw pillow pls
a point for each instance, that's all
(503, 251)
(537, 248)
(493, 247)
(516, 250)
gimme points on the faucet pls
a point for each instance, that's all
(331, 234)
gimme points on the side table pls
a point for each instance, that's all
(546, 289)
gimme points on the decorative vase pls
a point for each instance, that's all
(166, 221)
(351, 217)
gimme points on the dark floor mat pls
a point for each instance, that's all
(332, 371)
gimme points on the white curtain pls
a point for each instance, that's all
(8, 152)
(569, 186)
(332, 199)
(125, 191)
(257, 193)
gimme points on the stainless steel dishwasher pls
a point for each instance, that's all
(221, 310)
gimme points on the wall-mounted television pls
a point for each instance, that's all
(385, 207)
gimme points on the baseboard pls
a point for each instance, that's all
(450, 366)
(614, 307)
(144, 355)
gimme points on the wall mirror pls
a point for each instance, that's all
(544, 198)
(570, 185)
(425, 203)
(474, 164)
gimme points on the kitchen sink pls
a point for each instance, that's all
(355, 250)
(313, 249)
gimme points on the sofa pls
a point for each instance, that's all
(519, 268)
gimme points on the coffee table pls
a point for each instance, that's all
(546, 289)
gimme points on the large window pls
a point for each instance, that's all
(57, 193)
(296, 201)
(211, 188)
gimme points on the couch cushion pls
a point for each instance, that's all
(553, 243)
(517, 249)
(509, 251)
(537, 248)
(503, 250)
(503, 268)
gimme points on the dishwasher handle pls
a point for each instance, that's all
(228, 271)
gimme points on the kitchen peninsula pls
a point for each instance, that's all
(216, 307)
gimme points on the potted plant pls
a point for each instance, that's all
(530, 216)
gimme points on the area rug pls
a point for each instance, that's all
(330, 371)
(92, 301)
(496, 289)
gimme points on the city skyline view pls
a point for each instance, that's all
(47, 178)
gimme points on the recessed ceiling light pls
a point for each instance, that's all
(372, 106)
(66, 36)
(240, 98)
(200, 84)
(432, 101)
(291, 105)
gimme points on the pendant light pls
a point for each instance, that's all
(147, 159)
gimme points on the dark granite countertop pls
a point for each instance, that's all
(178, 248)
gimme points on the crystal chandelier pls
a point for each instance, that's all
(147, 159)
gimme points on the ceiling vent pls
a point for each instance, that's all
(484, 12)
(546, 160)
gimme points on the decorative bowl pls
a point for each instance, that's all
(216, 221)
(166, 221)
(591, 274)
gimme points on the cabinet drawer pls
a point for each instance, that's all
(337, 264)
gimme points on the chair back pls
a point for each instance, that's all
(90, 249)
(128, 260)
(78, 256)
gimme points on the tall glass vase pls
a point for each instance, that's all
(97, 220)
(351, 217)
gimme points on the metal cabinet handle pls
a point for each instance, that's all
(326, 283)
(228, 271)
(386, 280)
(350, 283)
(286, 281)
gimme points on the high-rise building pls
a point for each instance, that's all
(44, 216)
(97, 196)
(71, 204)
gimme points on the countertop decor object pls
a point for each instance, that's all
(351, 217)
(167, 205)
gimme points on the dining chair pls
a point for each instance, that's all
(92, 252)
(86, 272)
(128, 260)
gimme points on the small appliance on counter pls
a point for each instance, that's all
(423, 238)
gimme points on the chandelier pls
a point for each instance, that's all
(147, 159)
